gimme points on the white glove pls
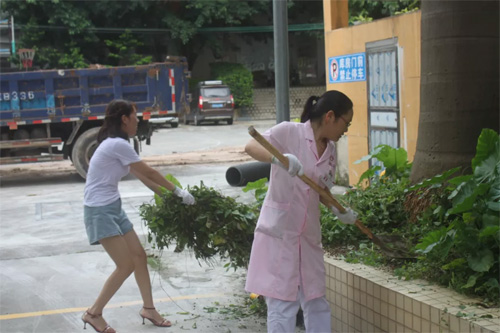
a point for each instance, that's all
(294, 166)
(349, 217)
(187, 198)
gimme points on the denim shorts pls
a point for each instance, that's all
(106, 221)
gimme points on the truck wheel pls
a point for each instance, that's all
(230, 121)
(83, 149)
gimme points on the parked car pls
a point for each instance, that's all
(211, 101)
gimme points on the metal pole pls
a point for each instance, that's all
(281, 75)
(13, 35)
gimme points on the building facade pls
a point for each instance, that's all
(377, 65)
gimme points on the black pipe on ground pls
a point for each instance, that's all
(241, 174)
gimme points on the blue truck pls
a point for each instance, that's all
(52, 115)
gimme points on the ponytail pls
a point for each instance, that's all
(332, 100)
(308, 107)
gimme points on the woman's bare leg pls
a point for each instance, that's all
(118, 250)
(141, 273)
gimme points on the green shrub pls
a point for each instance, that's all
(380, 204)
(463, 249)
(193, 82)
(452, 224)
(238, 78)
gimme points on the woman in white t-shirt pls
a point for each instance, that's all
(106, 222)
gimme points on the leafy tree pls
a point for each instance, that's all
(73, 59)
(125, 50)
(90, 23)
(29, 39)
(369, 10)
(56, 27)
(190, 17)
(39, 22)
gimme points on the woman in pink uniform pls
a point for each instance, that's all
(286, 263)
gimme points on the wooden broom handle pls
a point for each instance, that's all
(326, 195)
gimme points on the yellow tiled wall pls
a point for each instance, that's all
(364, 299)
(353, 39)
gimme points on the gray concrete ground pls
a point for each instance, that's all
(49, 274)
(205, 137)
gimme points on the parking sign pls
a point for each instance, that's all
(347, 68)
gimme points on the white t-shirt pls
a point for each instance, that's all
(108, 165)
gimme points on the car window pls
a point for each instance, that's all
(215, 92)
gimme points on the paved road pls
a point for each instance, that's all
(188, 138)
(49, 274)
(169, 146)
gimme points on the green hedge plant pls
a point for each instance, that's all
(238, 78)
(451, 222)
(463, 250)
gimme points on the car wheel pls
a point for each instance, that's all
(230, 121)
(174, 125)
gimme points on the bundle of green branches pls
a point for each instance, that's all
(215, 225)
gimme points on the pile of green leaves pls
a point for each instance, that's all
(215, 226)
(245, 307)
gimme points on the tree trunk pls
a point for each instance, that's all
(459, 83)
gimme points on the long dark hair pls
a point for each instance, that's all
(316, 107)
(112, 126)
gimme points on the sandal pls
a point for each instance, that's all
(107, 329)
(164, 323)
